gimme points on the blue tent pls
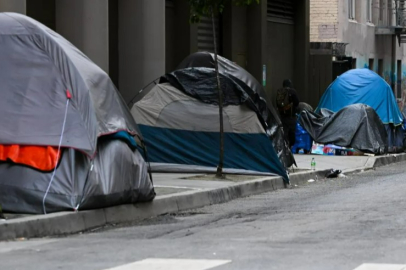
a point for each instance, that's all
(366, 87)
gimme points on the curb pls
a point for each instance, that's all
(389, 159)
(74, 222)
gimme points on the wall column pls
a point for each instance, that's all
(141, 44)
(85, 24)
(256, 40)
(235, 34)
(302, 51)
(18, 6)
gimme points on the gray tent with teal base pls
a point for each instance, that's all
(179, 119)
(255, 96)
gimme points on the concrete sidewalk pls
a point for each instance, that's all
(178, 192)
(170, 183)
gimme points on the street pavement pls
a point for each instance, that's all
(349, 223)
(180, 192)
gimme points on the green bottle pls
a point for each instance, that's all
(313, 164)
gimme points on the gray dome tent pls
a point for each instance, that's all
(51, 94)
(180, 123)
(257, 97)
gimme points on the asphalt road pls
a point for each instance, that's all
(329, 224)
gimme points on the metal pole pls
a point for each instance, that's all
(393, 68)
(220, 98)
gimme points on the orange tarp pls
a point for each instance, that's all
(39, 157)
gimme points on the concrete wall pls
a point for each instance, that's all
(323, 20)
(180, 35)
(363, 43)
(141, 44)
(135, 43)
(288, 52)
(235, 42)
(250, 41)
(302, 49)
(281, 56)
(18, 6)
(41, 10)
(257, 38)
(113, 41)
(85, 24)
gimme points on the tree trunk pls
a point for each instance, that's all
(219, 173)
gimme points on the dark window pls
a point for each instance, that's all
(399, 79)
(354, 63)
(369, 10)
(281, 11)
(351, 9)
(390, 10)
(371, 64)
(380, 67)
(205, 41)
(42, 11)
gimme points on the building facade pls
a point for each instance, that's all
(137, 41)
(359, 34)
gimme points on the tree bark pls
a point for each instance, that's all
(219, 173)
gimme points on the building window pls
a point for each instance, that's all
(381, 9)
(371, 64)
(380, 67)
(401, 14)
(205, 35)
(351, 9)
(369, 10)
(399, 79)
(281, 11)
(354, 63)
(390, 10)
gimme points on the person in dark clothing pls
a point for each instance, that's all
(287, 103)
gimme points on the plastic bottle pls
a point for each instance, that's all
(313, 164)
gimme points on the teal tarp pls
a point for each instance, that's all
(366, 87)
(253, 152)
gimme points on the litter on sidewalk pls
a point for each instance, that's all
(333, 173)
(334, 150)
